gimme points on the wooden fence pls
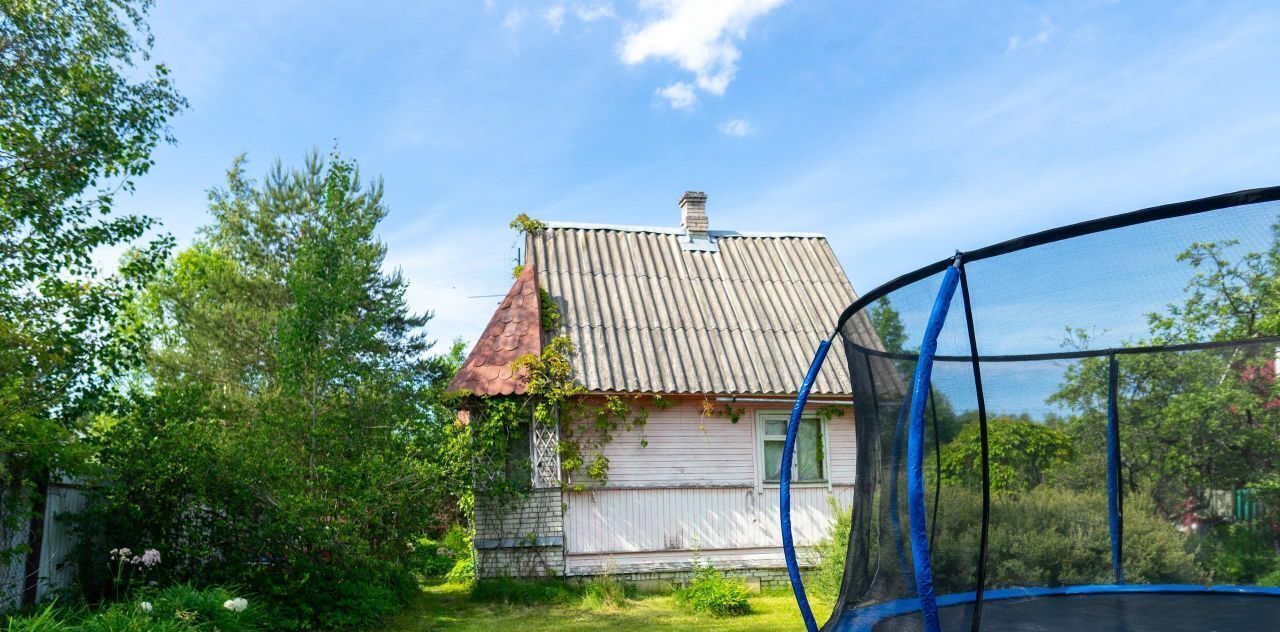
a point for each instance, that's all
(48, 567)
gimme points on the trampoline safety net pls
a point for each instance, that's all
(1074, 430)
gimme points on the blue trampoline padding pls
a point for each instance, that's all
(864, 619)
(916, 516)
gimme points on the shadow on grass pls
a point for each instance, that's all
(450, 608)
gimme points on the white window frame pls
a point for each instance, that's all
(764, 416)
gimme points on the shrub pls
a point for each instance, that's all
(831, 553)
(463, 571)
(432, 559)
(1270, 579)
(332, 596)
(1054, 537)
(607, 591)
(1237, 554)
(710, 592)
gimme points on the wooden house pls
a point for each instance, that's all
(720, 327)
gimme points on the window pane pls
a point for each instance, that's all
(775, 427)
(809, 451)
(772, 460)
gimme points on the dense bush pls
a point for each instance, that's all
(608, 591)
(1054, 537)
(831, 553)
(176, 608)
(710, 592)
(436, 559)
(283, 435)
(1237, 554)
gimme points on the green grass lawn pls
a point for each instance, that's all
(449, 607)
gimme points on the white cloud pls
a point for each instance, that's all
(489, 6)
(513, 19)
(737, 127)
(700, 36)
(679, 94)
(1047, 29)
(592, 12)
(555, 17)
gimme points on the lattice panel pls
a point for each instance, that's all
(545, 454)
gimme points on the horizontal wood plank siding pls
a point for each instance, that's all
(608, 521)
(687, 448)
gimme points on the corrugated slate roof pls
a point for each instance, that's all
(648, 315)
(514, 330)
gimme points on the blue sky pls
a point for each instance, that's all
(901, 130)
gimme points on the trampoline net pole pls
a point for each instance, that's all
(784, 487)
(986, 463)
(1115, 503)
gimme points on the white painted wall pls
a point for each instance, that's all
(695, 486)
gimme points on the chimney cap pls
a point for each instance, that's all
(694, 197)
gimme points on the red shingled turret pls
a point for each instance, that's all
(515, 330)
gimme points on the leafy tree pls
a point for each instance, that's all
(1198, 420)
(78, 122)
(291, 397)
(1021, 452)
(888, 325)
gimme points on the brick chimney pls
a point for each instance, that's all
(693, 215)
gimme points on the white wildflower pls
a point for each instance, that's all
(236, 605)
(145, 606)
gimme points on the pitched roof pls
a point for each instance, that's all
(650, 312)
(515, 330)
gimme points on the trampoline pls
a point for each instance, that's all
(1018, 405)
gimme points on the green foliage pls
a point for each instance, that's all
(1270, 579)
(888, 325)
(525, 224)
(549, 311)
(463, 571)
(832, 552)
(1020, 452)
(435, 559)
(1237, 554)
(176, 608)
(1054, 537)
(608, 591)
(79, 118)
(282, 440)
(1199, 420)
(710, 592)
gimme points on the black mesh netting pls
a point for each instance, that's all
(1172, 315)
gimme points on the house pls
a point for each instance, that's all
(715, 329)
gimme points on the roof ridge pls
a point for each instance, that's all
(669, 230)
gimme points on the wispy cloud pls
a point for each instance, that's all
(513, 19)
(679, 95)
(592, 12)
(555, 17)
(737, 127)
(992, 153)
(698, 35)
(1047, 29)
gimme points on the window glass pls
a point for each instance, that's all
(808, 465)
(809, 451)
(773, 460)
